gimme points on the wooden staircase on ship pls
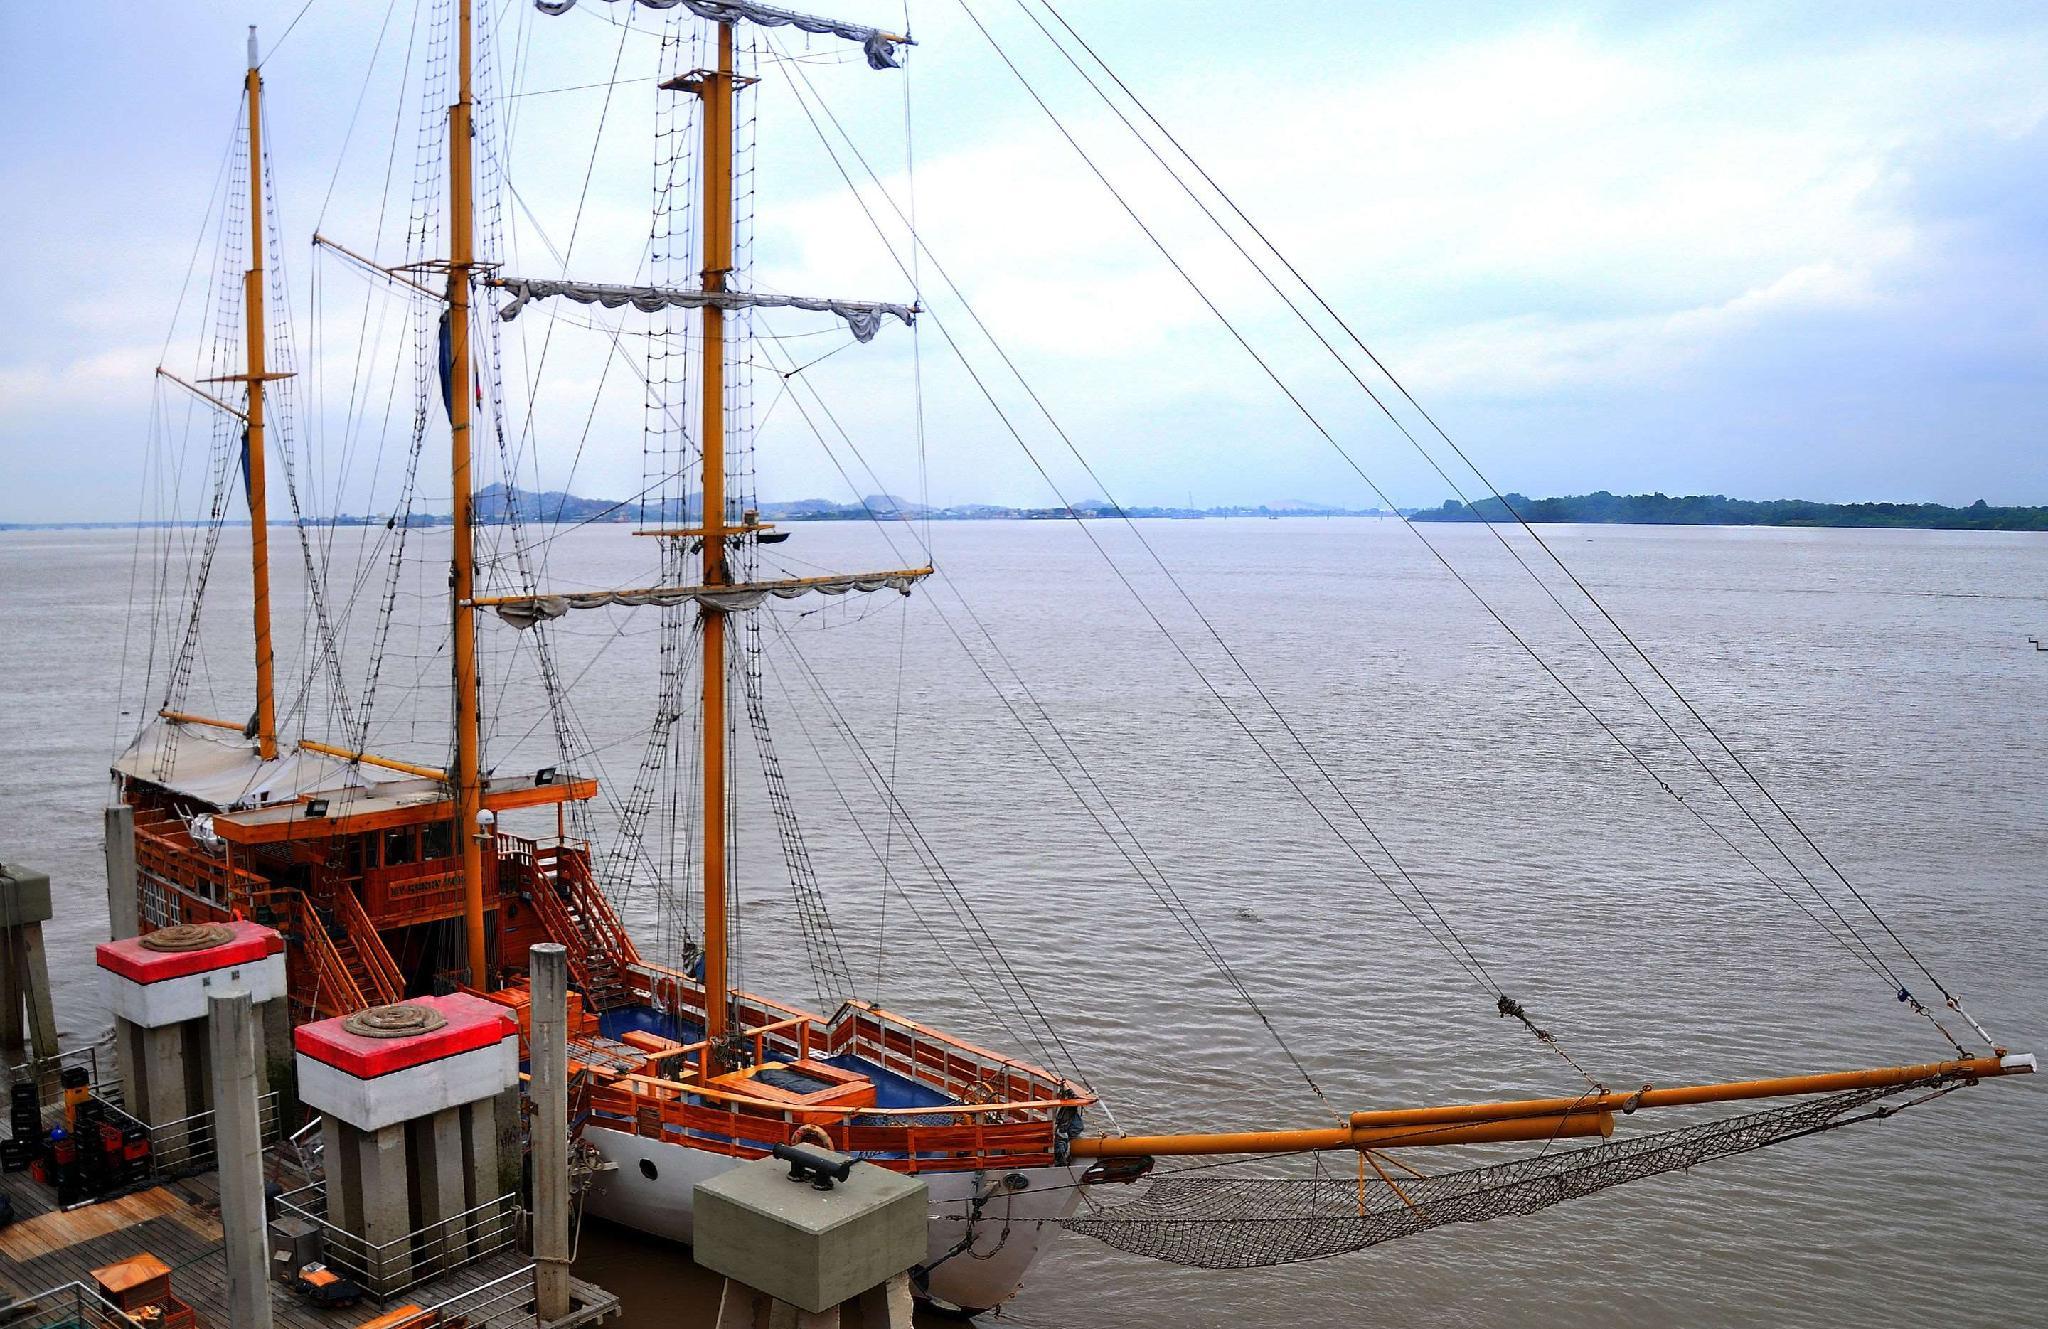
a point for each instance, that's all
(555, 876)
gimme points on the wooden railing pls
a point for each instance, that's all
(914, 1140)
(334, 987)
(164, 850)
(369, 946)
(556, 877)
(572, 871)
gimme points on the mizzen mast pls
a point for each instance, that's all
(462, 575)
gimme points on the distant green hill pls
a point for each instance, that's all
(1719, 510)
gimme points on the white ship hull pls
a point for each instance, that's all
(650, 1183)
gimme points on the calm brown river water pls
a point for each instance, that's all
(1882, 682)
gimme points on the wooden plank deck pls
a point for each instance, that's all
(179, 1223)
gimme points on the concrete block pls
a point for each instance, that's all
(24, 895)
(158, 988)
(813, 1249)
(412, 1093)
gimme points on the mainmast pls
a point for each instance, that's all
(717, 595)
(461, 258)
(252, 450)
(716, 89)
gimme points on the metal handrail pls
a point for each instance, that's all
(188, 1144)
(86, 1307)
(419, 1255)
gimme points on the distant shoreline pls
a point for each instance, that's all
(495, 508)
(1719, 510)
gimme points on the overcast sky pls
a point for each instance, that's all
(1763, 250)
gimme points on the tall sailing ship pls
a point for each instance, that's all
(393, 878)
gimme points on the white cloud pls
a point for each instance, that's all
(36, 390)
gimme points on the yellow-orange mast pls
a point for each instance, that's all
(461, 258)
(254, 351)
(716, 91)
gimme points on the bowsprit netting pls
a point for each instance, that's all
(1244, 1223)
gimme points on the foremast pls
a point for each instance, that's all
(715, 89)
(718, 595)
(469, 830)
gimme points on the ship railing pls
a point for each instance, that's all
(573, 873)
(558, 878)
(947, 1138)
(363, 935)
(967, 1072)
(331, 978)
(173, 861)
(385, 1268)
(188, 1144)
(974, 1074)
(792, 1035)
(66, 1306)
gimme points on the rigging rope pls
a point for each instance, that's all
(1884, 970)
(1454, 947)
(1122, 836)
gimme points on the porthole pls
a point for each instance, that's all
(647, 1169)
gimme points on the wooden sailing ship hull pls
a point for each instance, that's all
(987, 1134)
(366, 891)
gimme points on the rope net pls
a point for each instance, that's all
(1244, 1223)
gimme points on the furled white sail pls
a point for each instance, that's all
(880, 46)
(526, 610)
(863, 317)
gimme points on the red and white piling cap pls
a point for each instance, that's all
(164, 977)
(397, 1063)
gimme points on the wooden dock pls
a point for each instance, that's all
(178, 1221)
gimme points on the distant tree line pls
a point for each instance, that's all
(1720, 510)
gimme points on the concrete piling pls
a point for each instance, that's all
(407, 1095)
(24, 967)
(124, 900)
(158, 986)
(548, 966)
(238, 1133)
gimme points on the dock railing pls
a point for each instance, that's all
(384, 1269)
(508, 1298)
(188, 1145)
(47, 1073)
(66, 1306)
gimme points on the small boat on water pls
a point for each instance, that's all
(394, 877)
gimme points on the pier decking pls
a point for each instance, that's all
(48, 1253)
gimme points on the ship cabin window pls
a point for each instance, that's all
(437, 839)
(401, 845)
(350, 857)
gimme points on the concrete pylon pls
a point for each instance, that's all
(238, 1135)
(548, 968)
(124, 898)
(24, 966)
